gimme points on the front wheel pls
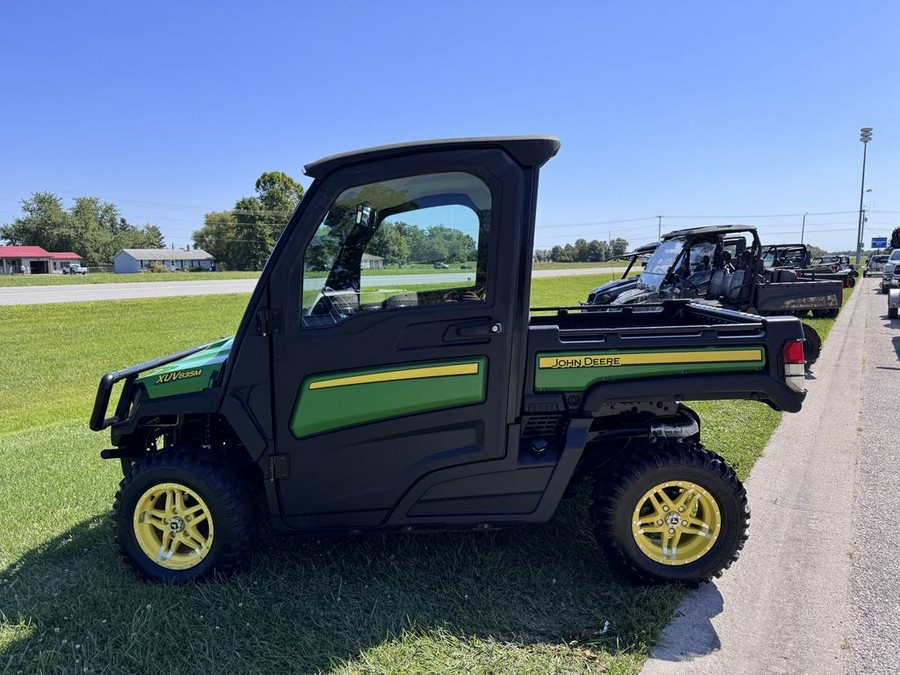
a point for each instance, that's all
(676, 512)
(184, 516)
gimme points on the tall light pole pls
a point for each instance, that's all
(659, 228)
(865, 135)
(803, 227)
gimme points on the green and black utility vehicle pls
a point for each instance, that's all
(349, 403)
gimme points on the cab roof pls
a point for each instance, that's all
(710, 229)
(526, 150)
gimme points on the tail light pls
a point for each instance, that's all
(794, 364)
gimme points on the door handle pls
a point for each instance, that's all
(479, 329)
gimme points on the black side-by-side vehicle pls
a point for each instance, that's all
(351, 402)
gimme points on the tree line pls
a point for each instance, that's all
(243, 238)
(398, 243)
(583, 251)
(93, 229)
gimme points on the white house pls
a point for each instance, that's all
(131, 260)
(371, 262)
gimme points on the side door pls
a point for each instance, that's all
(398, 293)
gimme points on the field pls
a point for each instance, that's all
(524, 601)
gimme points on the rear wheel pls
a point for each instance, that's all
(184, 516)
(892, 312)
(825, 313)
(676, 512)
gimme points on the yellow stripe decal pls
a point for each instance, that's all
(613, 359)
(396, 375)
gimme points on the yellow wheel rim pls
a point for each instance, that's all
(676, 523)
(173, 526)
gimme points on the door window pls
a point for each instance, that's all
(398, 244)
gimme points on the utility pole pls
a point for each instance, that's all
(865, 135)
(803, 227)
(659, 228)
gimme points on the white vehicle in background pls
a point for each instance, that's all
(889, 279)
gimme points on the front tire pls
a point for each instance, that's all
(675, 512)
(180, 517)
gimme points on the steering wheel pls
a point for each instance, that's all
(683, 281)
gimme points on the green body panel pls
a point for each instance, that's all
(188, 375)
(569, 371)
(337, 400)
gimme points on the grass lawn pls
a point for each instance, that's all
(524, 601)
(622, 262)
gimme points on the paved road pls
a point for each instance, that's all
(817, 588)
(33, 295)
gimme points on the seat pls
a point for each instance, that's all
(735, 287)
(717, 284)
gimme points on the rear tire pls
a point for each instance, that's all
(892, 312)
(180, 517)
(673, 513)
(825, 313)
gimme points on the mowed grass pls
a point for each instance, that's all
(523, 601)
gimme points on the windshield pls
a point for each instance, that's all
(662, 260)
(895, 256)
(783, 258)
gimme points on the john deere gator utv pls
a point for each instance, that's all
(344, 404)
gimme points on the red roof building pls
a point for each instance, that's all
(33, 260)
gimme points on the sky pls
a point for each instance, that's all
(699, 112)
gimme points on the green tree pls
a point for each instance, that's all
(93, 229)
(895, 238)
(389, 243)
(217, 235)
(597, 251)
(582, 252)
(617, 247)
(244, 237)
(253, 236)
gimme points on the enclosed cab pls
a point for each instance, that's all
(347, 404)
